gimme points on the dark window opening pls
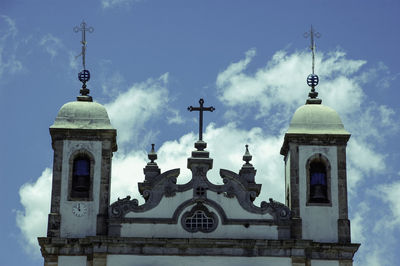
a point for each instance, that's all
(81, 177)
(318, 183)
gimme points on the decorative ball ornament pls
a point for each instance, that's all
(84, 76)
(312, 80)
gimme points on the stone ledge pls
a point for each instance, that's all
(196, 247)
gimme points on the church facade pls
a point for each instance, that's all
(198, 223)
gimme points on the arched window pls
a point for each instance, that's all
(318, 184)
(80, 186)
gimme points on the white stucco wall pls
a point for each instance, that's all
(222, 231)
(71, 225)
(131, 260)
(72, 261)
(319, 222)
(324, 263)
(166, 207)
(232, 208)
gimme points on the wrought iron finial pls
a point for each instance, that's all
(83, 29)
(312, 79)
(152, 154)
(84, 75)
(201, 109)
(247, 156)
(312, 34)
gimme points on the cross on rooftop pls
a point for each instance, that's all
(83, 28)
(201, 109)
(312, 34)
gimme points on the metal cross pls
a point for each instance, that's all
(201, 109)
(312, 34)
(83, 42)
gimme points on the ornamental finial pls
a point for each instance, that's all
(312, 79)
(247, 156)
(84, 75)
(152, 155)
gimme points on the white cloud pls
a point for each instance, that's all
(357, 226)
(364, 161)
(35, 198)
(112, 83)
(386, 115)
(389, 193)
(376, 227)
(127, 171)
(12, 27)
(51, 44)
(281, 82)
(73, 62)
(8, 47)
(175, 117)
(118, 3)
(133, 108)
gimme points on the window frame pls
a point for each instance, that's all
(76, 154)
(203, 209)
(318, 157)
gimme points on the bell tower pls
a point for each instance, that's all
(314, 151)
(83, 141)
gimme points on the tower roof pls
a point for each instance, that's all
(316, 119)
(82, 115)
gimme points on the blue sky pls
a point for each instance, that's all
(151, 59)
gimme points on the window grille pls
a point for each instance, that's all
(199, 219)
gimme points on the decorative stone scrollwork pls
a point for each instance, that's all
(241, 186)
(252, 195)
(146, 194)
(279, 208)
(169, 191)
(122, 206)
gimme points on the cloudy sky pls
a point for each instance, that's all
(151, 59)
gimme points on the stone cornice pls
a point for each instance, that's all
(196, 247)
(313, 139)
(84, 134)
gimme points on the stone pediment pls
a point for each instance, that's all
(199, 206)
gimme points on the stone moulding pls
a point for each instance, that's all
(88, 246)
(313, 139)
(224, 219)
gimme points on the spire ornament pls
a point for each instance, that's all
(313, 79)
(247, 156)
(151, 170)
(152, 155)
(248, 172)
(84, 75)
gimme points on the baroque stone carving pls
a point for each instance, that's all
(241, 186)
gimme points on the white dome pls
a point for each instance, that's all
(82, 115)
(316, 119)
